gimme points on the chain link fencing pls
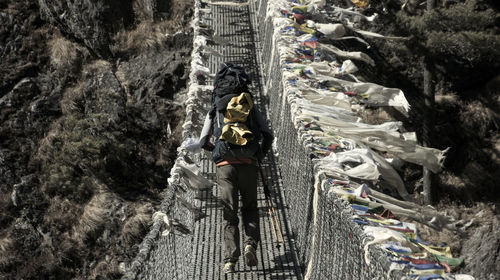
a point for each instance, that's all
(329, 244)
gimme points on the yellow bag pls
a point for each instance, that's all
(361, 3)
(238, 108)
(237, 111)
(236, 133)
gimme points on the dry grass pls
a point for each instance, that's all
(106, 270)
(147, 35)
(179, 9)
(66, 55)
(122, 78)
(71, 98)
(142, 9)
(136, 226)
(6, 247)
(450, 179)
(72, 101)
(178, 21)
(62, 52)
(97, 66)
(447, 98)
(93, 218)
(62, 214)
(453, 187)
(495, 151)
(44, 153)
(5, 244)
(478, 118)
(5, 203)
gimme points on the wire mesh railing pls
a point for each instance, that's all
(329, 244)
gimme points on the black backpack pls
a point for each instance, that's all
(230, 82)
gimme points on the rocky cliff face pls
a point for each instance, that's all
(90, 22)
(88, 128)
(93, 23)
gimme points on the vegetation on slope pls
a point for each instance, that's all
(88, 133)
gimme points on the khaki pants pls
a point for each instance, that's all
(242, 178)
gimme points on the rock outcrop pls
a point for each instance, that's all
(91, 22)
(87, 135)
(95, 22)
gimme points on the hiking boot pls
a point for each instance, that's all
(229, 267)
(250, 256)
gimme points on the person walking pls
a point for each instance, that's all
(242, 139)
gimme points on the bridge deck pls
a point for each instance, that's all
(234, 25)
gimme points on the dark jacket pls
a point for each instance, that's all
(255, 149)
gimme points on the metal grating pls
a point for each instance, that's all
(234, 24)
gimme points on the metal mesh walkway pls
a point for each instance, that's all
(234, 31)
